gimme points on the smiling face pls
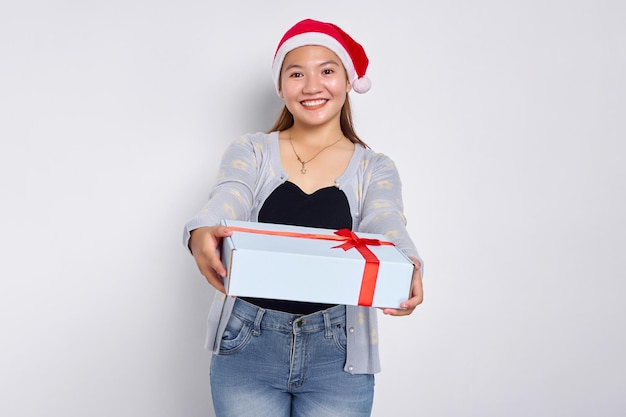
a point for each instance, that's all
(313, 85)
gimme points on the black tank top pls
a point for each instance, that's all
(326, 208)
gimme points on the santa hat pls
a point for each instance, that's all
(313, 32)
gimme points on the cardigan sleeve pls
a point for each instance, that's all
(233, 194)
(382, 207)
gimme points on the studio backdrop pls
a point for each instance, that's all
(504, 118)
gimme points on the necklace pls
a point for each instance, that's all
(303, 169)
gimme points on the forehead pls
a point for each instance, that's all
(310, 53)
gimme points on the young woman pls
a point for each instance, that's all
(286, 358)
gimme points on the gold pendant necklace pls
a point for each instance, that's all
(303, 169)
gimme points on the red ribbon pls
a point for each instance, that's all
(351, 240)
(370, 273)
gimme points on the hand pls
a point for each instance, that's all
(203, 244)
(417, 294)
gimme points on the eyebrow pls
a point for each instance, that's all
(331, 62)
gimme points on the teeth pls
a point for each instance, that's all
(312, 103)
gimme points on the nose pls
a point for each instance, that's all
(312, 85)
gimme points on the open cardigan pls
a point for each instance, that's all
(251, 169)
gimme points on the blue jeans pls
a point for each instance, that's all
(275, 364)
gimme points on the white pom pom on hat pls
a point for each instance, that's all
(362, 85)
(313, 32)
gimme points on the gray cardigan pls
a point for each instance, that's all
(251, 169)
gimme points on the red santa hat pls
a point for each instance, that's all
(313, 32)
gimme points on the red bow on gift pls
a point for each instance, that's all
(370, 272)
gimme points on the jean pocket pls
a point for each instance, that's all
(339, 336)
(236, 334)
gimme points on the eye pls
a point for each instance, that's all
(328, 71)
(295, 75)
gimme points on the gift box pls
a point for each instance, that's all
(308, 264)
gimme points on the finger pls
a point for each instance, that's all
(397, 311)
(223, 231)
(417, 296)
(212, 276)
(216, 265)
(418, 288)
(217, 282)
(209, 258)
(407, 307)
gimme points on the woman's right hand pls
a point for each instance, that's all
(203, 244)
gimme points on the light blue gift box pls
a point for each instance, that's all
(264, 265)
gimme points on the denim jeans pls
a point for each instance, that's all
(275, 364)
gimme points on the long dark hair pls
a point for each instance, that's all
(285, 121)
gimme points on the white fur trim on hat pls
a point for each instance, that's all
(321, 39)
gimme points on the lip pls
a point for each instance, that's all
(313, 103)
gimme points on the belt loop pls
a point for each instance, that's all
(328, 333)
(257, 322)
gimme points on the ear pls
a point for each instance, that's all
(348, 86)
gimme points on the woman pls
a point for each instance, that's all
(310, 169)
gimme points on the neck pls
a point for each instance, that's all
(315, 137)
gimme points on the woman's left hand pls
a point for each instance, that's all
(417, 295)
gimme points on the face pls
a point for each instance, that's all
(313, 85)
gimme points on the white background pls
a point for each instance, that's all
(507, 123)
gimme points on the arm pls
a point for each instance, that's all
(382, 212)
(231, 198)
